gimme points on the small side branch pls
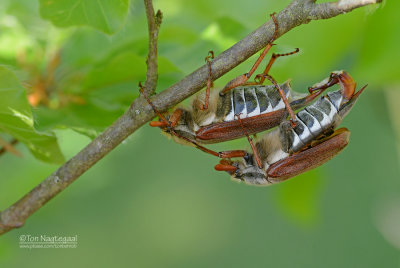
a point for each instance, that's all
(153, 22)
(332, 9)
(297, 13)
(9, 147)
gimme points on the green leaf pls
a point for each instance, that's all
(105, 15)
(16, 119)
(232, 28)
(122, 67)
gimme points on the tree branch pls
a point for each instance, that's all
(298, 12)
(153, 22)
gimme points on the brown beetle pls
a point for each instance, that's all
(289, 151)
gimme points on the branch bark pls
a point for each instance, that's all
(296, 13)
(153, 22)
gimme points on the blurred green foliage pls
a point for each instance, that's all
(153, 203)
(16, 119)
(107, 16)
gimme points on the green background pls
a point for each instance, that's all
(154, 203)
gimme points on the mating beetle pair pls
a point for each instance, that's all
(307, 140)
(289, 151)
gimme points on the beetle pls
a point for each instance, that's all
(262, 106)
(288, 151)
(212, 116)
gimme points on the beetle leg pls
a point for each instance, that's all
(293, 119)
(242, 79)
(259, 163)
(158, 124)
(173, 119)
(348, 84)
(299, 103)
(261, 77)
(333, 80)
(164, 122)
(233, 153)
(209, 80)
(225, 165)
(343, 78)
(175, 116)
(310, 158)
(223, 154)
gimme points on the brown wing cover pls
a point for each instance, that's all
(225, 131)
(310, 158)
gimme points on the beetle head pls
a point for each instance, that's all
(244, 170)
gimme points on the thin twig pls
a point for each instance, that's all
(7, 148)
(140, 112)
(153, 22)
(331, 9)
